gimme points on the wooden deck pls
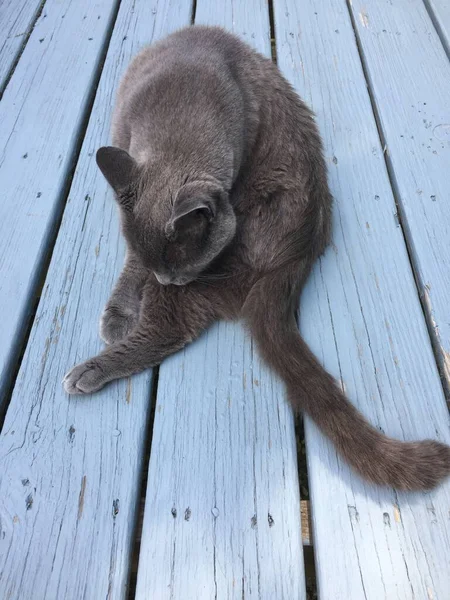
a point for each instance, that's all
(222, 500)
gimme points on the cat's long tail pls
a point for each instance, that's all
(270, 313)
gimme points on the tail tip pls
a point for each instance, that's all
(422, 466)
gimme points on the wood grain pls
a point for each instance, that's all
(409, 77)
(71, 468)
(16, 21)
(222, 515)
(41, 114)
(362, 317)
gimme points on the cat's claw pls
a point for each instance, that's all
(115, 324)
(85, 378)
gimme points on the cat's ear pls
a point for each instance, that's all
(197, 199)
(118, 167)
(192, 206)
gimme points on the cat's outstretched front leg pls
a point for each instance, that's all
(121, 313)
(170, 318)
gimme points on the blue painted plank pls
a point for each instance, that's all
(71, 469)
(41, 113)
(222, 513)
(409, 76)
(16, 20)
(361, 315)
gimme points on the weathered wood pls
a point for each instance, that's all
(409, 76)
(16, 20)
(70, 468)
(222, 516)
(41, 114)
(222, 513)
(361, 315)
(439, 11)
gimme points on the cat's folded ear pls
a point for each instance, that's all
(118, 167)
(200, 199)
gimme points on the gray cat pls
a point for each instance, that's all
(218, 171)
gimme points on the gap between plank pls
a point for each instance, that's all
(21, 352)
(140, 509)
(307, 531)
(403, 222)
(54, 228)
(273, 45)
(194, 11)
(26, 37)
(438, 27)
(302, 468)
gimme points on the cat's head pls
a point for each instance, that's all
(176, 230)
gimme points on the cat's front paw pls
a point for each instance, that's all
(85, 378)
(116, 324)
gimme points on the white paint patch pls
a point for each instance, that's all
(364, 18)
(447, 364)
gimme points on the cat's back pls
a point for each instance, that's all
(199, 45)
(213, 74)
(197, 80)
(191, 54)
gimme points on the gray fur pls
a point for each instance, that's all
(218, 171)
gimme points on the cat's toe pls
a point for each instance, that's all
(85, 378)
(116, 325)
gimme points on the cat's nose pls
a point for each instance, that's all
(163, 279)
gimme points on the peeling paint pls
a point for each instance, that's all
(353, 513)
(81, 497)
(446, 356)
(364, 18)
(46, 349)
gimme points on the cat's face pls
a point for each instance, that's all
(176, 235)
